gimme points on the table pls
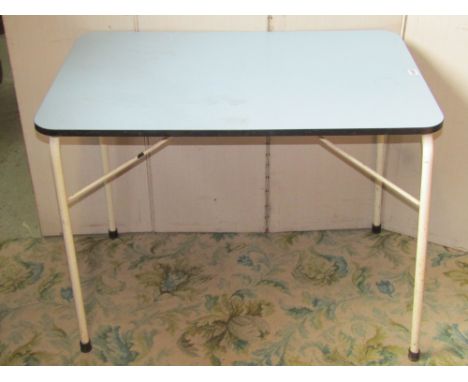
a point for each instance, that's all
(171, 84)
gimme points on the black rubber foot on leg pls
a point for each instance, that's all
(113, 234)
(376, 228)
(414, 357)
(86, 348)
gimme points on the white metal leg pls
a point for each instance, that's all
(376, 221)
(421, 245)
(110, 205)
(54, 144)
(117, 171)
(368, 171)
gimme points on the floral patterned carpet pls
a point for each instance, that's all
(302, 298)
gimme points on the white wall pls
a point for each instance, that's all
(208, 187)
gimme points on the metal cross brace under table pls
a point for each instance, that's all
(241, 84)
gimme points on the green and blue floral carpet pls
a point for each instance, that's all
(309, 298)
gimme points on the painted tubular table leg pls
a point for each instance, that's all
(113, 233)
(376, 222)
(421, 245)
(54, 143)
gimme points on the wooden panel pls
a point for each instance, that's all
(310, 188)
(38, 46)
(439, 45)
(211, 184)
(202, 23)
(297, 23)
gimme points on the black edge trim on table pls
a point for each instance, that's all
(240, 133)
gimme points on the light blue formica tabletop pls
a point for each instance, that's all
(239, 83)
